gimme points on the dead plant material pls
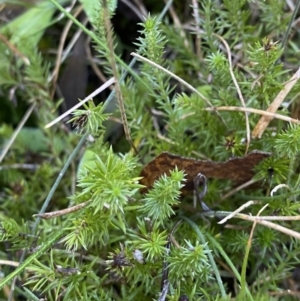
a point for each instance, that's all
(239, 169)
(265, 120)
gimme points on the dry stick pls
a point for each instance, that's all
(276, 227)
(235, 212)
(14, 49)
(263, 221)
(256, 111)
(60, 50)
(96, 92)
(252, 218)
(264, 120)
(119, 95)
(238, 90)
(48, 215)
(16, 132)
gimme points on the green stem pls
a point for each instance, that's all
(53, 189)
(30, 259)
(228, 261)
(244, 270)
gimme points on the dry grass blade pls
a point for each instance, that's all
(96, 92)
(263, 220)
(256, 111)
(265, 120)
(235, 212)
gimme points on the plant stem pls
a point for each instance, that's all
(30, 259)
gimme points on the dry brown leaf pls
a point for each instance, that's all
(239, 169)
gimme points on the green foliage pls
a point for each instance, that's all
(89, 120)
(164, 195)
(110, 184)
(151, 243)
(190, 262)
(287, 142)
(122, 242)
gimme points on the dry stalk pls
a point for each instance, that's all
(265, 120)
(96, 92)
(256, 111)
(48, 215)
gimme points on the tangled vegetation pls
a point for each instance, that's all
(210, 80)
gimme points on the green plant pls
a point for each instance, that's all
(120, 243)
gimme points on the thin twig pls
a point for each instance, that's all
(238, 90)
(250, 217)
(74, 40)
(263, 221)
(256, 111)
(48, 215)
(115, 73)
(235, 212)
(16, 132)
(276, 227)
(96, 92)
(57, 213)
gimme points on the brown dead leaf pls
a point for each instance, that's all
(239, 169)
